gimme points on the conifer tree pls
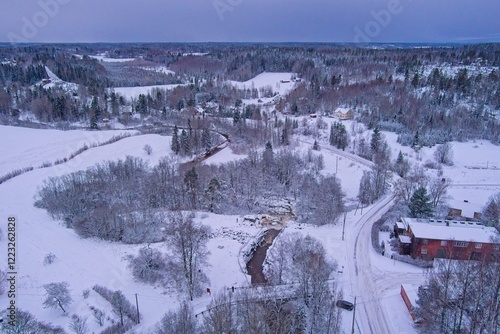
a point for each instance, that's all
(420, 204)
(175, 146)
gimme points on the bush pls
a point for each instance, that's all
(121, 306)
(148, 149)
(148, 266)
(49, 259)
(14, 173)
(410, 260)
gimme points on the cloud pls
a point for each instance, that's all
(253, 20)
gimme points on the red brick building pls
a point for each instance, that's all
(451, 239)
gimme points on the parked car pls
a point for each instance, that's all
(345, 305)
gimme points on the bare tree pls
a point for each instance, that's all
(57, 295)
(78, 325)
(26, 323)
(220, 317)
(148, 149)
(491, 211)
(181, 321)
(99, 316)
(406, 186)
(437, 191)
(444, 154)
(187, 242)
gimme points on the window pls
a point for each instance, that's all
(444, 242)
(479, 245)
(423, 251)
(461, 244)
(496, 247)
(425, 241)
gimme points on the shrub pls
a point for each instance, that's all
(49, 259)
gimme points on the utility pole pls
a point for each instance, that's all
(343, 227)
(353, 315)
(137, 306)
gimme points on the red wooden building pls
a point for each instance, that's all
(451, 239)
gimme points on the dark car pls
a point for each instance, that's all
(345, 305)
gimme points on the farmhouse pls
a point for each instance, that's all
(452, 239)
(343, 113)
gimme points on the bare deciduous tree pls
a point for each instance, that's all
(444, 154)
(187, 242)
(181, 321)
(78, 325)
(57, 295)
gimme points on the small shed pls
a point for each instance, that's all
(410, 296)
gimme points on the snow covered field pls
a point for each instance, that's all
(363, 273)
(130, 93)
(28, 147)
(159, 69)
(105, 59)
(280, 83)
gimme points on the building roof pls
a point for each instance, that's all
(343, 110)
(412, 292)
(404, 239)
(450, 230)
(401, 225)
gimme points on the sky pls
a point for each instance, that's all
(346, 21)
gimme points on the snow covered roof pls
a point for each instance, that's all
(401, 225)
(450, 230)
(343, 110)
(404, 239)
(412, 292)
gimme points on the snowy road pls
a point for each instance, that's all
(371, 282)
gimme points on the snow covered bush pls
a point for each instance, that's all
(149, 266)
(148, 149)
(26, 323)
(49, 259)
(121, 306)
(78, 325)
(444, 154)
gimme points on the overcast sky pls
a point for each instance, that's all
(426, 21)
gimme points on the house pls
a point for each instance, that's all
(344, 113)
(450, 239)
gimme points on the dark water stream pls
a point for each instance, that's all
(255, 265)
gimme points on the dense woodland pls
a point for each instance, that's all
(440, 93)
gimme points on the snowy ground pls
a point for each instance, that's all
(373, 279)
(159, 69)
(279, 83)
(56, 82)
(130, 93)
(105, 59)
(28, 147)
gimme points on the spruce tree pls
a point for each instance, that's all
(420, 204)
(175, 146)
(185, 144)
(376, 140)
(206, 139)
